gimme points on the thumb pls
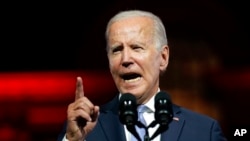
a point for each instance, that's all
(95, 114)
(79, 88)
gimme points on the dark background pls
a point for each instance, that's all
(209, 40)
(51, 35)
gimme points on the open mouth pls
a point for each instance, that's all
(131, 77)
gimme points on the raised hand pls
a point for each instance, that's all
(81, 114)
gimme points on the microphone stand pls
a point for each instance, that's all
(160, 129)
(146, 136)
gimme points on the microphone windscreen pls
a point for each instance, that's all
(162, 95)
(128, 113)
(163, 108)
(127, 109)
(126, 97)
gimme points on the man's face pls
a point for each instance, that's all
(134, 61)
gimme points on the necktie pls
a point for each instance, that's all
(141, 131)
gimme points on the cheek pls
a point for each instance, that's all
(153, 65)
(113, 65)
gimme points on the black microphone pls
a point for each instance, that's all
(128, 113)
(163, 112)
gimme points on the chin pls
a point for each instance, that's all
(135, 90)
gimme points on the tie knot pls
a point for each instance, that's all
(142, 108)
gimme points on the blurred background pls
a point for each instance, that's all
(45, 45)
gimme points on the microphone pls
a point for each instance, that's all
(163, 108)
(163, 112)
(128, 113)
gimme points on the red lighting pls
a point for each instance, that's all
(42, 97)
(54, 85)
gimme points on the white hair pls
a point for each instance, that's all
(160, 36)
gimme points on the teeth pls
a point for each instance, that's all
(133, 80)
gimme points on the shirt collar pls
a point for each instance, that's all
(151, 103)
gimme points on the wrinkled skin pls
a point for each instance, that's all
(135, 63)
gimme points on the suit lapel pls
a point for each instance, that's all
(175, 127)
(109, 120)
(112, 127)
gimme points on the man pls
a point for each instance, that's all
(138, 53)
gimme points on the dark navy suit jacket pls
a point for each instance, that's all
(190, 126)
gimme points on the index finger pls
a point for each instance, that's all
(79, 88)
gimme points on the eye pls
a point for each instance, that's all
(136, 47)
(117, 49)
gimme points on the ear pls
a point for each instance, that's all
(164, 58)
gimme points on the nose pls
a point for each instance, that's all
(126, 58)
